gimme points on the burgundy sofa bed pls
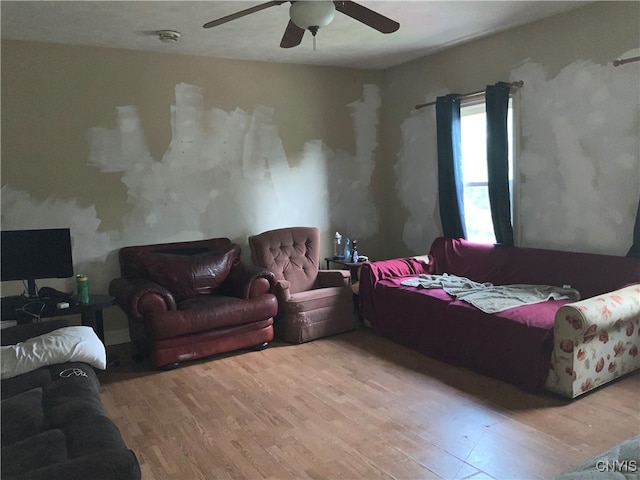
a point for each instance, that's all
(514, 345)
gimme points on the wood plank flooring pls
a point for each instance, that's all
(354, 406)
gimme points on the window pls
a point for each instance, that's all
(477, 210)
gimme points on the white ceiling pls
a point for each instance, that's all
(425, 27)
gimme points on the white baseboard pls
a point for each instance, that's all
(115, 337)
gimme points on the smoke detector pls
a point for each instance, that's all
(168, 36)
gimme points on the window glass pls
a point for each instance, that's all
(477, 210)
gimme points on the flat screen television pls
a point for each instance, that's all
(29, 255)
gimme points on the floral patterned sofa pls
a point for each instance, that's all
(566, 346)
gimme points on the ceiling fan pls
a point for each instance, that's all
(314, 14)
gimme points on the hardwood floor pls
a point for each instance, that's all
(354, 406)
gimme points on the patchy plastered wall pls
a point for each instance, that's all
(417, 180)
(579, 159)
(580, 155)
(222, 172)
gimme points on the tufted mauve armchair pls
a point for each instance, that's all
(313, 303)
(190, 300)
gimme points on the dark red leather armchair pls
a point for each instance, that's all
(190, 300)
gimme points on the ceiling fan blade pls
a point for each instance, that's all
(292, 35)
(368, 17)
(242, 13)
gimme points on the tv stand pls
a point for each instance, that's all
(42, 309)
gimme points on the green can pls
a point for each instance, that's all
(82, 284)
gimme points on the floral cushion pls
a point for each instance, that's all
(595, 341)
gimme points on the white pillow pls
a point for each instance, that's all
(66, 344)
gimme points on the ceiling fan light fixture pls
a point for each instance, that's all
(312, 14)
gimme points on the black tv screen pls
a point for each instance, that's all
(34, 254)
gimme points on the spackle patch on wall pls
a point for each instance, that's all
(417, 179)
(353, 210)
(580, 155)
(223, 174)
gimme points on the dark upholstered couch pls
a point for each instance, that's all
(54, 425)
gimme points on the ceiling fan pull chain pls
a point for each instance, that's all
(314, 43)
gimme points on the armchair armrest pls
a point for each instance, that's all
(248, 281)
(396, 267)
(374, 272)
(595, 341)
(582, 321)
(282, 290)
(138, 297)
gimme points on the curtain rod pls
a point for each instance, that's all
(517, 84)
(622, 61)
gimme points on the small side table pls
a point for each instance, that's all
(91, 313)
(354, 267)
(91, 316)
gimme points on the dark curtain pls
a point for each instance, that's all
(635, 248)
(497, 106)
(450, 167)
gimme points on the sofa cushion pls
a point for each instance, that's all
(317, 298)
(187, 276)
(37, 451)
(589, 273)
(110, 464)
(412, 317)
(130, 257)
(209, 313)
(22, 416)
(22, 383)
(290, 253)
(512, 345)
(71, 399)
(94, 434)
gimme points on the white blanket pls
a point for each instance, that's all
(492, 298)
